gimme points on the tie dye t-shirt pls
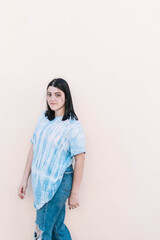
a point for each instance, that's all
(55, 143)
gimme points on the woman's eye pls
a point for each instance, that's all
(57, 95)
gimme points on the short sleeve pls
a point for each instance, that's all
(40, 117)
(77, 140)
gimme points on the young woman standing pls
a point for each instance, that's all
(57, 138)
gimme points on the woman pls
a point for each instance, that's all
(57, 138)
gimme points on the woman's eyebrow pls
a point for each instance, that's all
(55, 92)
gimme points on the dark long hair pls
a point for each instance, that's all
(69, 110)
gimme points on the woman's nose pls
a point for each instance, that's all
(53, 98)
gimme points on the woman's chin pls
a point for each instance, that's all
(53, 108)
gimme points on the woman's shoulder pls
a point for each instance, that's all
(76, 124)
(41, 116)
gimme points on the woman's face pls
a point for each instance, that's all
(56, 100)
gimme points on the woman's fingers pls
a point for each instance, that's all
(21, 192)
(24, 191)
(73, 206)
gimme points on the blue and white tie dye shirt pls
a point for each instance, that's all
(54, 145)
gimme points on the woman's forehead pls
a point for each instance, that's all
(53, 89)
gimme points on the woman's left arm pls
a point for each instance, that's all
(73, 200)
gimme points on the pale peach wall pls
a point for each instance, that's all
(108, 51)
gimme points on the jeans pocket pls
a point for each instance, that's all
(67, 181)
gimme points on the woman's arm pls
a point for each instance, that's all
(23, 186)
(73, 200)
(27, 170)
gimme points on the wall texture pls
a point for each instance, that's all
(108, 51)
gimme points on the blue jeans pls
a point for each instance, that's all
(50, 218)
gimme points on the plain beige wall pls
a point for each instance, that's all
(108, 51)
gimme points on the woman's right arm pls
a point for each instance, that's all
(23, 186)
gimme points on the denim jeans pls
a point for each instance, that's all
(50, 218)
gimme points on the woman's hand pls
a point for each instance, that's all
(73, 200)
(22, 189)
